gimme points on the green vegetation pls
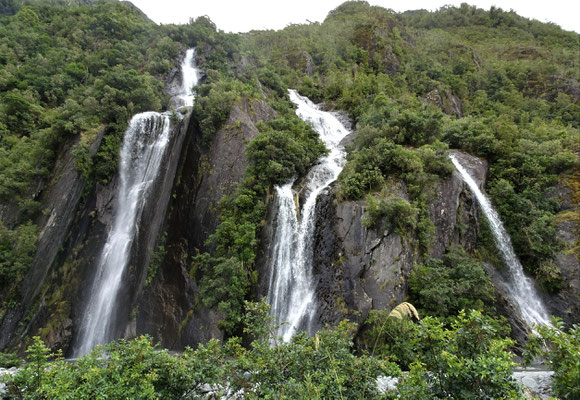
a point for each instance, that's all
(319, 367)
(454, 283)
(285, 148)
(561, 350)
(467, 360)
(69, 69)
(215, 98)
(414, 84)
(396, 213)
(17, 248)
(9, 360)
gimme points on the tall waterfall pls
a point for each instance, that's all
(520, 287)
(291, 290)
(144, 147)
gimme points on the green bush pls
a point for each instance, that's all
(214, 100)
(560, 349)
(395, 213)
(320, 367)
(9, 360)
(390, 337)
(467, 360)
(444, 287)
(285, 149)
(17, 249)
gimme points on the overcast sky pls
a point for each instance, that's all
(245, 15)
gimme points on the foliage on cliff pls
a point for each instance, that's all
(489, 82)
(69, 70)
(415, 84)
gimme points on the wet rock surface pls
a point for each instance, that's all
(170, 309)
(61, 198)
(358, 269)
(453, 209)
(566, 303)
(537, 383)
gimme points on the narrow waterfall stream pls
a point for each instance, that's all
(291, 289)
(521, 288)
(144, 146)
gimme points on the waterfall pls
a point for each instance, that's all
(144, 147)
(520, 287)
(189, 79)
(291, 289)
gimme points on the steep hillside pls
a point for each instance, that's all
(397, 225)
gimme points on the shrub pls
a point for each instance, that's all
(323, 366)
(468, 360)
(444, 287)
(397, 214)
(560, 348)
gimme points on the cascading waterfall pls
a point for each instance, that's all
(520, 287)
(144, 147)
(189, 79)
(291, 289)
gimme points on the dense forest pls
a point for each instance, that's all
(413, 85)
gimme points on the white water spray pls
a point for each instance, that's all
(520, 287)
(143, 150)
(291, 289)
(189, 79)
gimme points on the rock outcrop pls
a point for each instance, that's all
(61, 196)
(566, 303)
(170, 309)
(446, 101)
(357, 269)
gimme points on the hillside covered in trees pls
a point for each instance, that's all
(414, 87)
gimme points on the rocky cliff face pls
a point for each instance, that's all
(357, 269)
(64, 296)
(566, 303)
(169, 309)
(61, 196)
(73, 234)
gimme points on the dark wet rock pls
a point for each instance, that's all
(368, 268)
(446, 101)
(454, 210)
(566, 302)
(170, 308)
(61, 198)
